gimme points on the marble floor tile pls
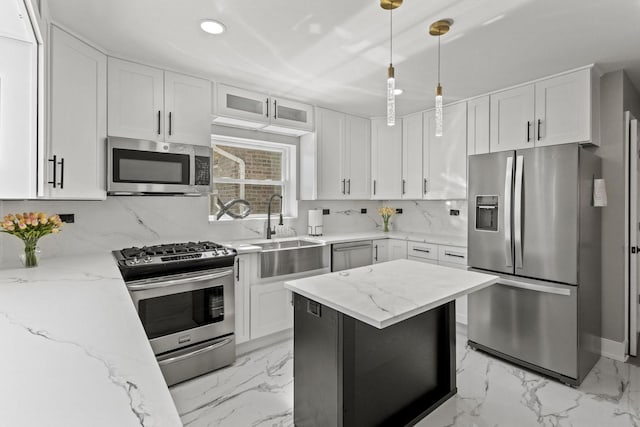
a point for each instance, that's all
(258, 391)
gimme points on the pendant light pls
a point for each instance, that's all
(391, 78)
(438, 29)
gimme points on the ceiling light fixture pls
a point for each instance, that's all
(212, 27)
(391, 78)
(438, 29)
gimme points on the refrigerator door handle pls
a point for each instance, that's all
(508, 182)
(536, 288)
(517, 211)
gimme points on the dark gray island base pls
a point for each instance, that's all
(349, 373)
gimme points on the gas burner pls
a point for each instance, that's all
(152, 260)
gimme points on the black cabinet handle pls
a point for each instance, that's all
(170, 123)
(349, 186)
(403, 185)
(55, 167)
(376, 256)
(342, 191)
(61, 163)
(374, 187)
(158, 122)
(539, 123)
(267, 102)
(238, 269)
(275, 109)
(528, 131)
(424, 186)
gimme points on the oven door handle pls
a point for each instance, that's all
(181, 281)
(206, 349)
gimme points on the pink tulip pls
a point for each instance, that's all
(22, 225)
(11, 227)
(55, 231)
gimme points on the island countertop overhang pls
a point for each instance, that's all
(384, 294)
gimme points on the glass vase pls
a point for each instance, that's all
(386, 225)
(31, 253)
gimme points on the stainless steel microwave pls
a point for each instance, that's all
(136, 167)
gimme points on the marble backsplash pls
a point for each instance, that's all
(133, 221)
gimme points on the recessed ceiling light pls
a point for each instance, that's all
(212, 27)
(397, 91)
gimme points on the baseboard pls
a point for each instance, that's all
(613, 349)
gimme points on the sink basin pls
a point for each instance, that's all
(287, 244)
(292, 256)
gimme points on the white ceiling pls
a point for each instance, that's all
(335, 53)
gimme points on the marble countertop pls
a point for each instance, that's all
(75, 352)
(244, 246)
(390, 292)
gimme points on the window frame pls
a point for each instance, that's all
(288, 174)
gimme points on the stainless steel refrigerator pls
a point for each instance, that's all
(532, 222)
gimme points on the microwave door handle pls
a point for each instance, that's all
(508, 186)
(517, 211)
(145, 285)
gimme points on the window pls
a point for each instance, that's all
(252, 171)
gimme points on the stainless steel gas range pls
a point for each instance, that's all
(184, 295)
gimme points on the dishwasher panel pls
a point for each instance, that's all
(351, 255)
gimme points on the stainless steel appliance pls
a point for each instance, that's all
(136, 166)
(184, 295)
(532, 222)
(351, 255)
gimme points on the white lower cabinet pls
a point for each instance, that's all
(242, 272)
(380, 251)
(397, 249)
(271, 309)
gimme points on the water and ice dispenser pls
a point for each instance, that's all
(487, 213)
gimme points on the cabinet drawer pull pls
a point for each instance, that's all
(343, 186)
(238, 269)
(451, 254)
(424, 186)
(426, 251)
(349, 186)
(275, 109)
(170, 130)
(374, 187)
(267, 102)
(376, 255)
(158, 122)
(403, 186)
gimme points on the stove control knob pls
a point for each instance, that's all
(225, 251)
(136, 260)
(147, 259)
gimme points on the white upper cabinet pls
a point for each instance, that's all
(187, 107)
(512, 119)
(290, 115)
(558, 110)
(149, 103)
(445, 160)
(243, 108)
(135, 100)
(563, 109)
(343, 156)
(243, 105)
(386, 159)
(478, 126)
(412, 146)
(75, 166)
(330, 136)
(18, 118)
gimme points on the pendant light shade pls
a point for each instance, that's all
(391, 78)
(438, 29)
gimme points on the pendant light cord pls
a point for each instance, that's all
(391, 34)
(438, 59)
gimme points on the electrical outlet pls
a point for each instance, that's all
(325, 211)
(398, 210)
(454, 212)
(67, 218)
(363, 211)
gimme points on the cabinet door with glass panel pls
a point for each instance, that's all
(252, 173)
(291, 114)
(242, 104)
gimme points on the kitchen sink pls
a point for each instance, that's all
(292, 256)
(287, 244)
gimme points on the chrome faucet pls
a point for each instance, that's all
(271, 232)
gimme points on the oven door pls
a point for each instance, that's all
(185, 309)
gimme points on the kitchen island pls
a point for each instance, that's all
(376, 345)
